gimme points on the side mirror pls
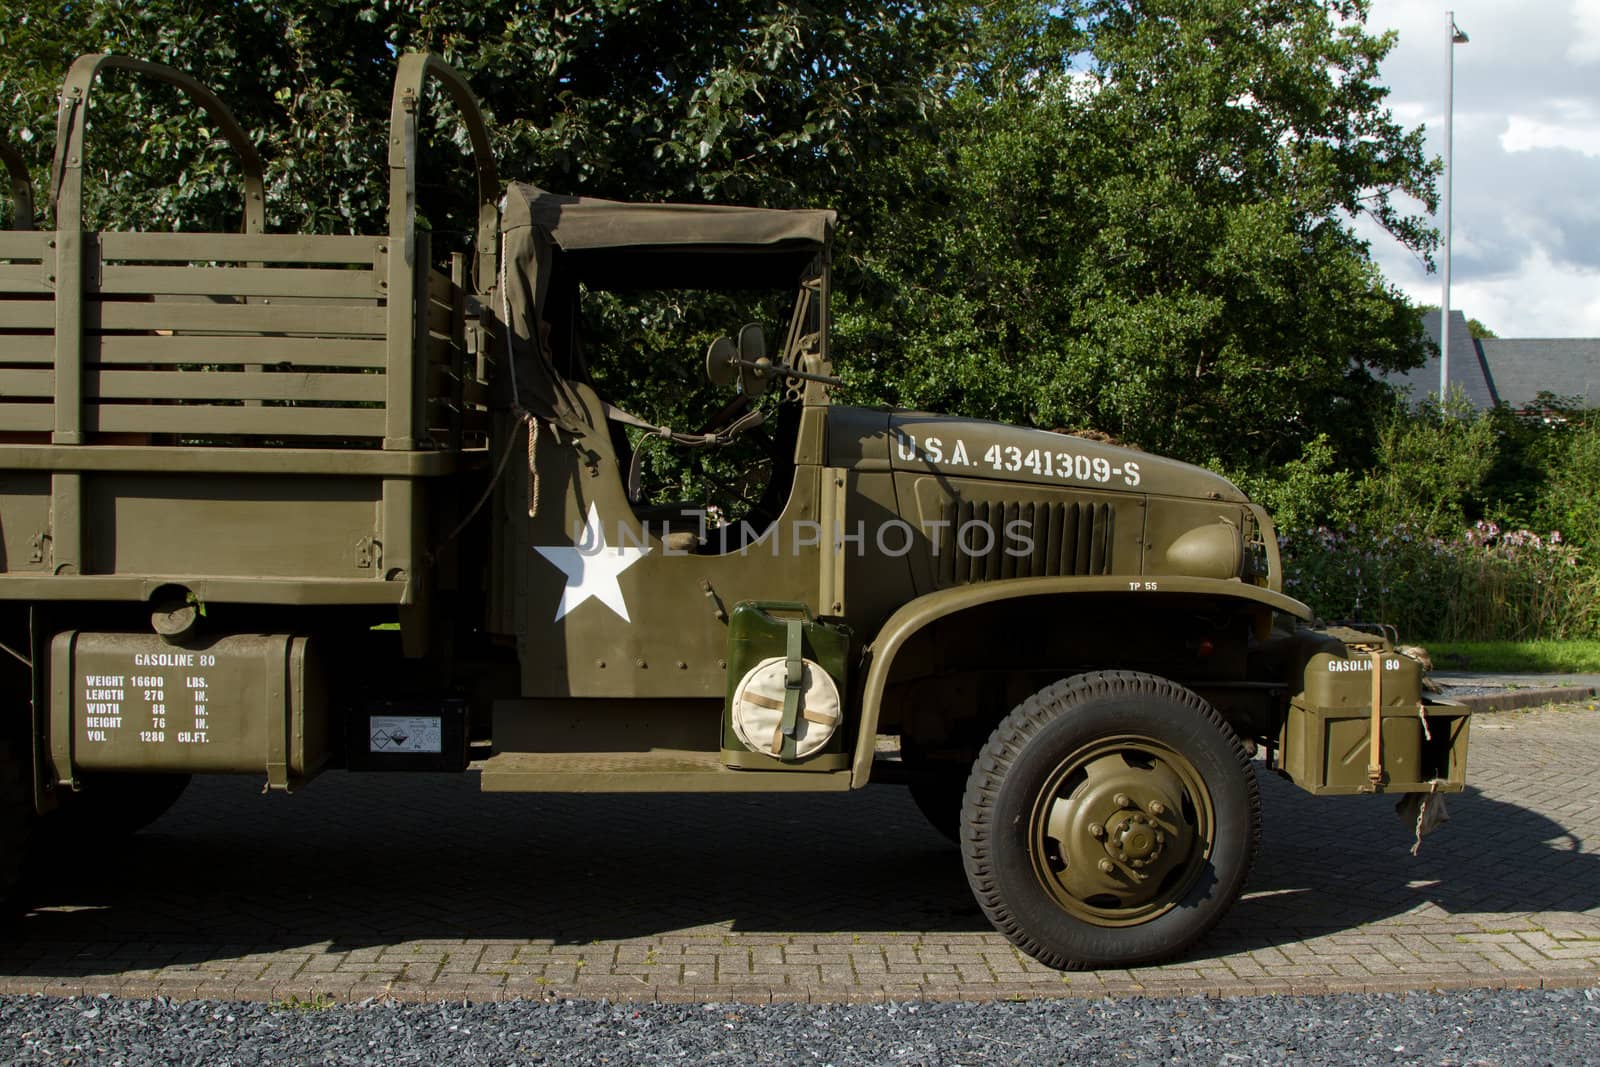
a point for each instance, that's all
(722, 362)
(755, 369)
(746, 363)
(752, 342)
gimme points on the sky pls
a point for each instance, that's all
(1526, 211)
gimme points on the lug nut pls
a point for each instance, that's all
(1157, 808)
(1121, 800)
(1107, 867)
(1096, 830)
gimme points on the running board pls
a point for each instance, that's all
(656, 771)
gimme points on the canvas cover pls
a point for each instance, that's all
(757, 708)
(658, 243)
(575, 223)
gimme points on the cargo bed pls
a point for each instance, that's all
(253, 417)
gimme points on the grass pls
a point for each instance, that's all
(1516, 656)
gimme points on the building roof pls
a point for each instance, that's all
(1469, 370)
(1566, 367)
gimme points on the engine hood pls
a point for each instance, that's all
(973, 448)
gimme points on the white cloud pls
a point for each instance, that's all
(1527, 157)
(1585, 46)
(1572, 124)
(1533, 296)
(1547, 300)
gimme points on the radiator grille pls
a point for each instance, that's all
(1068, 539)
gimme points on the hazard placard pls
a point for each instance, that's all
(405, 733)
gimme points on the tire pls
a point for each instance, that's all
(1111, 820)
(110, 807)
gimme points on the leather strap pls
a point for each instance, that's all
(793, 682)
(1375, 746)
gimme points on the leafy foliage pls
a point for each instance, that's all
(1431, 468)
(1484, 583)
(1570, 497)
(1128, 215)
(1430, 472)
(1150, 235)
(775, 103)
(1468, 526)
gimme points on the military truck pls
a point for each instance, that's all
(275, 504)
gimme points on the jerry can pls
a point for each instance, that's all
(788, 677)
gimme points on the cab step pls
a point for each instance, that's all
(655, 771)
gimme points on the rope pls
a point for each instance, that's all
(511, 440)
(1422, 814)
(533, 467)
(516, 393)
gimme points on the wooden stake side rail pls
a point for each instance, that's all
(248, 340)
(266, 418)
(163, 397)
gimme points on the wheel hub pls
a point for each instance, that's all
(1117, 827)
(1137, 841)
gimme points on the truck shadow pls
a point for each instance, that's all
(1333, 864)
(357, 861)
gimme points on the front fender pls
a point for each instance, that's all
(905, 623)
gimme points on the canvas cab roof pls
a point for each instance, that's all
(551, 243)
(579, 222)
(616, 245)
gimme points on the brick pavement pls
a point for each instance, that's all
(419, 887)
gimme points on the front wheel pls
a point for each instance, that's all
(1111, 820)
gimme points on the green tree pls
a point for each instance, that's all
(1150, 233)
(1432, 468)
(779, 103)
(1127, 214)
(1571, 501)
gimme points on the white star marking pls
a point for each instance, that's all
(592, 567)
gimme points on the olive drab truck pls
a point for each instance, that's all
(275, 504)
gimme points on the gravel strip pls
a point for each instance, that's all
(1476, 1027)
